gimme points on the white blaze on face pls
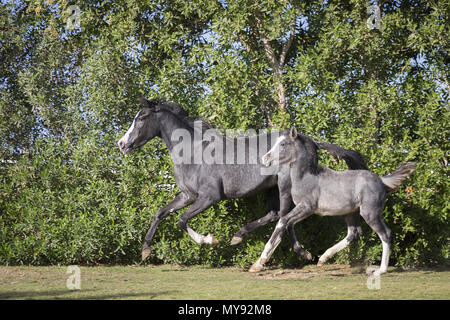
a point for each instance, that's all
(267, 158)
(124, 140)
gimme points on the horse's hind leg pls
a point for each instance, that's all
(373, 219)
(273, 204)
(270, 217)
(354, 232)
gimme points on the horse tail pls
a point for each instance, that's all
(353, 159)
(394, 180)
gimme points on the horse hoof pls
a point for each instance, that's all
(302, 252)
(235, 241)
(145, 253)
(211, 239)
(256, 267)
(320, 263)
(305, 254)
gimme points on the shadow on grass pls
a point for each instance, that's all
(88, 294)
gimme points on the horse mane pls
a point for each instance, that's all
(312, 157)
(181, 113)
(353, 159)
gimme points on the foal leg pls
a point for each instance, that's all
(273, 204)
(373, 219)
(354, 232)
(286, 205)
(296, 246)
(181, 200)
(245, 230)
(299, 213)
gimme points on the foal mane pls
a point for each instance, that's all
(312, 157)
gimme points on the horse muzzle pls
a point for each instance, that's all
(266, 159)
(125, 147)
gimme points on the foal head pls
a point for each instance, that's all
(294, 147)
(283, 151)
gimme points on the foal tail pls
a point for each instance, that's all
(394, 180)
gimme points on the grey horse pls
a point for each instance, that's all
(326, 192)
(203, 183)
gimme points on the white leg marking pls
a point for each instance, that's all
(208, 239)
(195, 236)
(333, 250)
(272, 244)
(384, 258)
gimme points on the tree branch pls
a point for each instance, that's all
(288, 43)
(244, 43)
(268, 48)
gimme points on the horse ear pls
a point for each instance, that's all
(151, 104)
(144, 102)
(293, 133)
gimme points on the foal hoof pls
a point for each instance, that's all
(308, 256)
(302, 252)
(256, 267)
(210, 239)
(320, 263)
(236, 240)
(145, 253)
(305, 254)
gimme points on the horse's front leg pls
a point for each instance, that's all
(181, 200)
(286, 205)
(299, 213)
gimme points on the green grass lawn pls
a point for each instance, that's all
(177, 282)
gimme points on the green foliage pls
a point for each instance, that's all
(68, 196)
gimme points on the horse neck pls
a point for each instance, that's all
(168, 123)
(305, 165)
(298, 171)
